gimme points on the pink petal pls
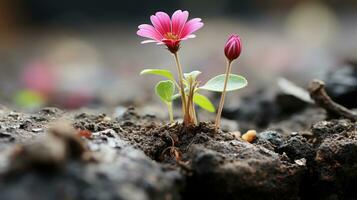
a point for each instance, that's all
(157, 24)
(145, 33)
(191, 26)
(189, 37)
(161, 22)
(179, 19)
(231, 47)
(149, 31)
(148, 41)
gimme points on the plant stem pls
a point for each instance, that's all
(171, 114)
(192, 105)
(182, 89)
(194, 113)
(188, 103)
(190, 115)
(221, 103)
(193, 118)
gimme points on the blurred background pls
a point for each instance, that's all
(75, 53)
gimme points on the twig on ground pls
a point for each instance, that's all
(321, 98)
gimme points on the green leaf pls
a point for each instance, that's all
(160, 72)
(165, 90)
(192, 75)
(216, 84)
(29, 99)
(203, 102)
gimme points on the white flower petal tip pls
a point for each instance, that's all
(148, 41)
(191, 36)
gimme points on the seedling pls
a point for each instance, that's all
(165, 90)
(170, 32)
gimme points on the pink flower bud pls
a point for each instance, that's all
(233, 47)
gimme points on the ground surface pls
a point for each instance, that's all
(138, 157)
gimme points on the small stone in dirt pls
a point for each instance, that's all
(250, 136)
(106, 119)
(301, 162)
(273, 137)
(36, 130)
(306, 134)
(297, 147)
(14, 115)
(294, 133)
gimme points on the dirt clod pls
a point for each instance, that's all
(273, 137)
(297, 147)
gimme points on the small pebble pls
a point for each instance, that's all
(36, 130)
(306, 134)
(14, 115)
(294, 133)
(106, 119)
(271, 136)
(250, 136)
(301, 162)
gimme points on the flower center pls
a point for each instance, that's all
(171, 36)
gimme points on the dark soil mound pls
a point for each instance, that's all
(139, 157)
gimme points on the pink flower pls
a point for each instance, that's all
(40, 77)
(233, 47)
(170, 31)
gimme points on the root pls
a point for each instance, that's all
(174, 151)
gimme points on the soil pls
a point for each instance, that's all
(55, 154)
